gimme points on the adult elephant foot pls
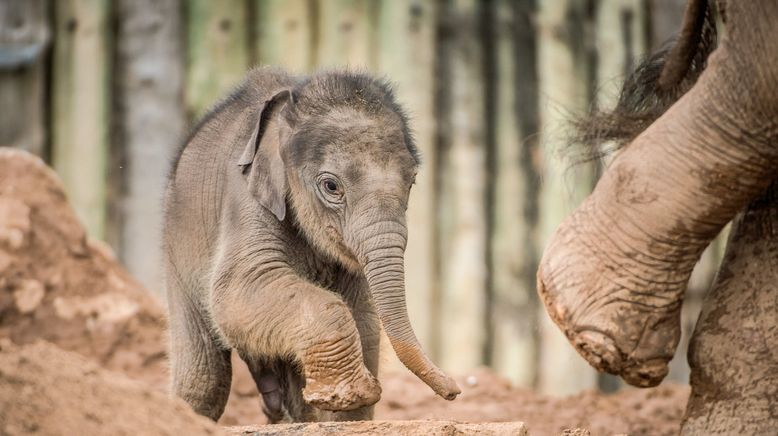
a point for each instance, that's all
(618, 304)
(733, 357)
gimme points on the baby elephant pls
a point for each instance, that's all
(284, 238)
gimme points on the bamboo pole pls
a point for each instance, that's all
(345, 37)
(285, 34)
(621, 43)
(666, 18)
(461, 204)
(406, 41)
(80, 113)
(564, 71)
(514, 306)
(217, 51)
(151, 123)
(24, 38)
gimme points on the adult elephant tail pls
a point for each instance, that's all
(655, 84)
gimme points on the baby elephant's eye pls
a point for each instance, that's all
(330, 188)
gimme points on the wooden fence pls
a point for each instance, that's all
(105, 90)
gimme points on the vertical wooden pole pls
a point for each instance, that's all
(621, 43)
(24, 39)
(217, 50)
(284, 31)
(514, 307)
(406, 54)
(564, 71)
(461, 205)
(149, 90)
(666, 18)
(80, 114)
(345, 35)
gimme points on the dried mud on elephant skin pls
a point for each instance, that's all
(734, 364)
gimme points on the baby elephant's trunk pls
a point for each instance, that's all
(382, 257)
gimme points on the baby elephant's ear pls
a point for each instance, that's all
(261, 160)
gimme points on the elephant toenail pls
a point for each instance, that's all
(599, 350)
(647, 374)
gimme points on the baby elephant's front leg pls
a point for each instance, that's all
(291, 317)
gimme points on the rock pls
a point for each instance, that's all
(390, 428)
(5, 260)
(575, 432)
(28, 296)
(14, 222)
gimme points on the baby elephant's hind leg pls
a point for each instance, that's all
(280, 382)
(200, 368)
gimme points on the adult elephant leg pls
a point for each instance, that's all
(614, 273)
(734, 350)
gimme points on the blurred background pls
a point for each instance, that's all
(105, 90)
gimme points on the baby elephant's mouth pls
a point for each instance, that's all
(343, 253)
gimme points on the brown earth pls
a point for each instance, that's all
(487, 397)
(57, 285)
(45, 390)
(387, 428)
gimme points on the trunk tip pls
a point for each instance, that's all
(447, 388)
(451, 396)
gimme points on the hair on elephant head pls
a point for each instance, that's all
(336, 149)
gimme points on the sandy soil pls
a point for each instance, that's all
(47, 391)
(58, 286)
(487, 397)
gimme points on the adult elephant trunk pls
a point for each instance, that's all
(381, 253)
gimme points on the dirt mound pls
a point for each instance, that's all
(60, 286)
(47, 391)
(57, 285)
(486, 397)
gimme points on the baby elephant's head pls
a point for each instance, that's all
(336, 152)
